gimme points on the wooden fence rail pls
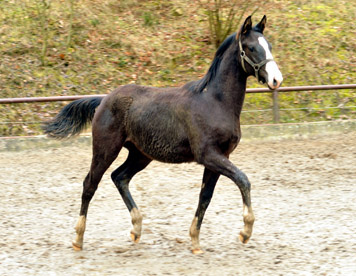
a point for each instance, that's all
(249, 90)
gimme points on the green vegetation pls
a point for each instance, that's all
(67, 47)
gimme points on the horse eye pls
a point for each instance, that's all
(251, 49)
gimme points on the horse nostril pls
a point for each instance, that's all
(275, 82)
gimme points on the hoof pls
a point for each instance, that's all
(76, 246)
(197, 251)
(243, 237)
(134, 237)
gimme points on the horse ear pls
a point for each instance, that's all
(247, 26)
(261, 26)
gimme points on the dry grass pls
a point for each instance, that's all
(164, 43)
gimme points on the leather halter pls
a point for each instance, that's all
(255, 66)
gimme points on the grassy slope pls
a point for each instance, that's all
(165, 43)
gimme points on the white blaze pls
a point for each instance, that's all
(274, 75)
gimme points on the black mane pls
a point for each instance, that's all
(200, 85)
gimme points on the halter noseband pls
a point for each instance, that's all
(255, 66)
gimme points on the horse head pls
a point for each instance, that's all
(255, 54)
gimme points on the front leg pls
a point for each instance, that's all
(220, 164)
(207, 189)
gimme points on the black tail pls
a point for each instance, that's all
(73, 118)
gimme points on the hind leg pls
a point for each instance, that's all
(98, 167)
(134, 163)
(90, 184)
(106, 147)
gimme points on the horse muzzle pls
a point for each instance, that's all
(274, 75)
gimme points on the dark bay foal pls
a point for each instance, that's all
(198, 122)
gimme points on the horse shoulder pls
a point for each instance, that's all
(212, 127)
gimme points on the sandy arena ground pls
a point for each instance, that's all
(303, 194)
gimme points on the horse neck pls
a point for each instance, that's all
(229, 84)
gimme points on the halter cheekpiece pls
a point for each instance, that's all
(255, 66)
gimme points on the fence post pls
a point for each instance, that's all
(275, 107)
